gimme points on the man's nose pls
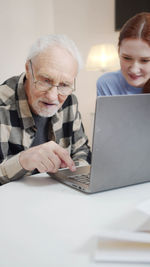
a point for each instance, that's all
(52, 93)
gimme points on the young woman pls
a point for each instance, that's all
(134, 55)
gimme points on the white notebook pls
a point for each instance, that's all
(123, 246)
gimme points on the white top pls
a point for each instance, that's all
(44, 223)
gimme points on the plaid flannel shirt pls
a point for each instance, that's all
(17, 129)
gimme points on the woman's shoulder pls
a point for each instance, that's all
(110, 83)
(115, 75)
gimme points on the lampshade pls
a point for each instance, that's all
(103, 57)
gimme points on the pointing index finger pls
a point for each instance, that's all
(65, 158)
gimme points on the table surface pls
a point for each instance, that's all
(44, 223)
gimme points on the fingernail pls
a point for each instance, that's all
(73, 168)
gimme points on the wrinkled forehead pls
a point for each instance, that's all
(55, 56)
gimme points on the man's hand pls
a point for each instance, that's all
(48, 157)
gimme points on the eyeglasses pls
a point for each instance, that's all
(45, 86)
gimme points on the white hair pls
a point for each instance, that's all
(52, 40)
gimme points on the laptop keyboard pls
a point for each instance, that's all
(82, 178)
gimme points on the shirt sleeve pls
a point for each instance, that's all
(10, 169)
(106, 85)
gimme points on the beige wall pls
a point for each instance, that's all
(87, 22)
(21, 22)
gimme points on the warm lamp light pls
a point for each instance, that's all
(103, 57)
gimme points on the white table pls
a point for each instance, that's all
(46, 224)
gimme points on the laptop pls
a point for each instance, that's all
(120, 148)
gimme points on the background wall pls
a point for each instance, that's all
(21, 23)
(87, 22)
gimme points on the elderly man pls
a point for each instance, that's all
(41, 128)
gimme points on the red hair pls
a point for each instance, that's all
(137, 27)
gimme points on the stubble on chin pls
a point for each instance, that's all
(43, 111)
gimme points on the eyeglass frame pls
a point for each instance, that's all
(51, 85)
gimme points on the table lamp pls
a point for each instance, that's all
(102, 57)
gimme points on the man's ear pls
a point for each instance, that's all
(27, 69)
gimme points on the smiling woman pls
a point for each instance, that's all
(134, 55)
(135, 61)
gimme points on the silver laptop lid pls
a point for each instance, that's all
(121, 142)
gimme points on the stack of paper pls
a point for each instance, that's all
(123, 246)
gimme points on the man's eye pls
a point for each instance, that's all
(64, 85)
(47, 81)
